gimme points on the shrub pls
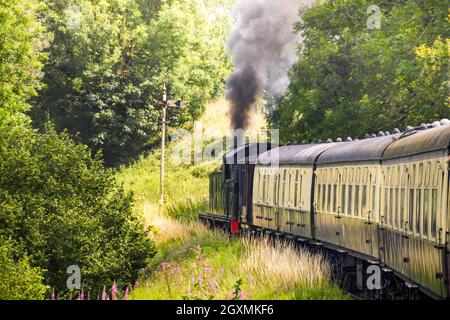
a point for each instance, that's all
(66, 209)
(18, 279)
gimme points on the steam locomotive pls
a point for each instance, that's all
(377, 204)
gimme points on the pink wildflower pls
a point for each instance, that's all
(104, 294)
(188, 291)
(114, 291)
(127, 291)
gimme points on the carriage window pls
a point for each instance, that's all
(391, 207)
(374, 192)
(426, 202)
(300, 189)
(365, 212)
(433, 213)
(283, 195)
(264, 188)
(335, 198)
(418, 206)
(329, 198)
(324, 190)
(275, 188)
(289, 187)
(386, 201)
(397, 211)
(350, 194)
(319, 195)
(356, 208)
(296, 189)
(402, 207)
(343, 199)
(411, 209)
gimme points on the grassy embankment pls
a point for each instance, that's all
(195, 263)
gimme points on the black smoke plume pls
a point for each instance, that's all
(263, 48)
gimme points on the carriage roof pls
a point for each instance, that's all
(294, 154)
(370, 149)
(247, 153)
(419, 141)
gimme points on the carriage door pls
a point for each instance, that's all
(278, 187)
(243, 201)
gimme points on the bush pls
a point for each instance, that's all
(18, 279)
(66, 209)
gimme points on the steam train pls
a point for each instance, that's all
(379, 203)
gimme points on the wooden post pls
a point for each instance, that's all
(163, 145)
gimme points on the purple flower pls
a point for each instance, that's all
(114, 291)
(189, 291)
(250, 279)
(53, 294)
(104, 294)
(127, 291)
(82, 294)
(241, 295)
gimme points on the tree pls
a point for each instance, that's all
(62, 207)
(350, 80)
(21, 43)
(104, 76)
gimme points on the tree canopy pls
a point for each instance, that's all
(21, 56)
(350, 80)
(107, 70)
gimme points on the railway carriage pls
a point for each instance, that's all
(379, 201)
(414, 215)
(347, 193)
(282, 196)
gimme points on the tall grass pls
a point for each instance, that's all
(282, 262)
(214, 266)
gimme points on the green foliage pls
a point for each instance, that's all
(19, 281)
(187, 209)
(65, 209)
(104, 78)
(21, 41)
(350, 80)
